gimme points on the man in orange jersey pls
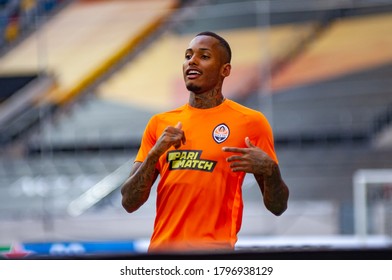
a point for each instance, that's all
(202, 151)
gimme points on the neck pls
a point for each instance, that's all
(206, 100)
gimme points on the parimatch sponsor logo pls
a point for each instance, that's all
(189, 159)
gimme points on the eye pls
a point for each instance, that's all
(205, 56)
(188, 56)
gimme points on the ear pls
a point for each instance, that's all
(225, 70)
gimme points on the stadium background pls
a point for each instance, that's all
(80, 79)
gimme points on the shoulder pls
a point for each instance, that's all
(253, 121)
(166, 117)
(169, 113)
(245, 111)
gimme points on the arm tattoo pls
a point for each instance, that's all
(275, 191)
(136, 189)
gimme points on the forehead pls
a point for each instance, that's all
(204, 42)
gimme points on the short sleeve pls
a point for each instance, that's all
(264, 138)
(148, 140)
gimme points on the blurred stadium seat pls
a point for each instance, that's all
(320, 72)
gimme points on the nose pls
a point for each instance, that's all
(192, 60)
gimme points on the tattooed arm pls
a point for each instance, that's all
(136, 189)
(274, 189)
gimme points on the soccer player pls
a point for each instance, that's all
(201, 152)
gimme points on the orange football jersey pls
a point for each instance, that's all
(199, 199)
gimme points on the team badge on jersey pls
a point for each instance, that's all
(220, 133)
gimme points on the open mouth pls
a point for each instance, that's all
(192, 73)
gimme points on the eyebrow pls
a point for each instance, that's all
(201, 49)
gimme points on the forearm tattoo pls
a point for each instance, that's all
(275, 191)
(136, 189)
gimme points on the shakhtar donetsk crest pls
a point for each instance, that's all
(220, 133)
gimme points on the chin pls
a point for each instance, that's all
(193, 88)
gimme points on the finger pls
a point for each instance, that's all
(237, 167)
(178, 125)
(178, 142)
(183, 139)
(233, 150)
(248, 143)
(233, 158)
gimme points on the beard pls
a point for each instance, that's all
(193, 88)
